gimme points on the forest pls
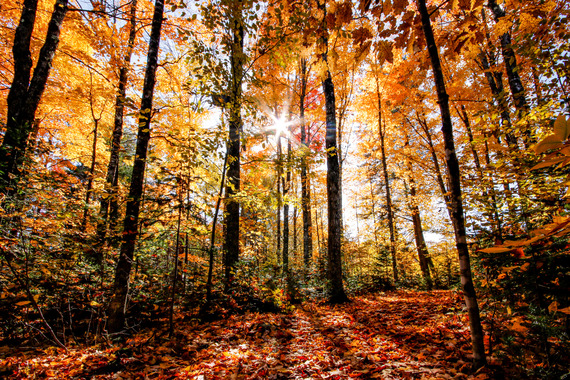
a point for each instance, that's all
(284, 189)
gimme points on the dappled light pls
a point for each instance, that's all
(315, 189)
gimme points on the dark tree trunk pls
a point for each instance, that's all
(112, 178)
(336, 288)
(494, 217)
(89, 189)
(24, 97)
(305, 193)
(175, 270)
(435, 160)
(286, 187)
(387, 183)
(478, 346)
(510, 60)
(232, 205)
(118, 302)
(278, 250)
(495, 82)
(421, 246)
(213, 234)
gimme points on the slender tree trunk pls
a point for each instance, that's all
(286, 187)
(232, 204)
(175, 270)
(421, 246)
(117, 306)
(435, 160)
(510, 60)
(495, 217)
(279, 198)
(478, 346)
(295, 229)
(89, 189)
(334, 272)
(24, 97)
(387, 183)
(213, 234)
(110, 200)
(305, 187)
(495, 82)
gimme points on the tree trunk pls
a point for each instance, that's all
(24, 97)
(110, 200)
(510, 60)
(278, 250)
(232, 205)
(286, 187)
(213, 234)
(89, 189)
(494, 217)
(118, 302)
(478, 346)
(175, 270)
(305, 192)
(387, 183)
(421, 247)
(334, 272)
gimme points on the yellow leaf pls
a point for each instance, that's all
(22, 303)
(566, 310)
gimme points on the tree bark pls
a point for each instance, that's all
(110, 200)
(494, 217)
(510, 60)
(278, 251)
(387, 183)
(117, 306)
(477, 343)
(213, 234)
(232, 204)
(421, 246)
(286, 186)
(435, 160)
(24, 97)
(305, 193)
(334, 265)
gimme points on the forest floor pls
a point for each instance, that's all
(393, 335)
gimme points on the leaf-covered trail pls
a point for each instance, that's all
(397, 335)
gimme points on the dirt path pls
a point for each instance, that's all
(398, 335)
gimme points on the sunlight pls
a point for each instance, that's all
(280, 126)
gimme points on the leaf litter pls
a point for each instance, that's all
(394, 335)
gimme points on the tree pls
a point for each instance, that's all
(25, 94)
(334, 255)
(232, 204)
(305, 186)
(391, 222)
(109, 202)
(117, 306)
(468, 288)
